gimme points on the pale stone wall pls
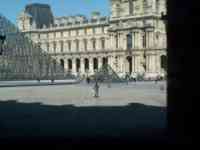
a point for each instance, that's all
(139, 18)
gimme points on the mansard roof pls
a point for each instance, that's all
(41, 14)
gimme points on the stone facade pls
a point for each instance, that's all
(131, 40)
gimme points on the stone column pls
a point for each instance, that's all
(148, 63)
(139, 39)
(74, 66)
(110, 61)
(133, 63)
(66, 64)
(133, 39)
(147, 39)
(91, 66)
(159, 63)
(82, 66)
(121, 64)
(137, 63)
(115, 59)
(125, 65)
(100, 62)
(119, 40)
(151, 39)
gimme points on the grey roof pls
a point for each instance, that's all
(41, 13)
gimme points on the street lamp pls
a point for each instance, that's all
(2, 40)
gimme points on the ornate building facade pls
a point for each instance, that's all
(131, 40)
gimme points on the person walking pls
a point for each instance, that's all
(127, 78)
(88, 80)
(134, 79)
(96, 89)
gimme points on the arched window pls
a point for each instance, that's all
(105, 61)
(69, 64)
(129, 59)
(62, 64)
(86, 65)
(78, 65)
(95, 60)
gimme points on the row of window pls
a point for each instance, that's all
(76, 32)
(130, 43)
(129, 37)
(134, 6)
(77, 43)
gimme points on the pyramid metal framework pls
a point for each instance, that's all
(23, 59)
(107, 74)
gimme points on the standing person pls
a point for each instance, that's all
(38, 79)
(87, 80)
(52, 80)
(134, 79)
(96, 90)
(127, 78)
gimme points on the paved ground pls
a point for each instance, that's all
(120, 94)
(134, 112)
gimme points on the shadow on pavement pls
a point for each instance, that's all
(134, 122)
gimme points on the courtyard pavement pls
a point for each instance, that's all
(119, 94)
(134, 112)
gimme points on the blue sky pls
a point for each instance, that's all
(11, 8)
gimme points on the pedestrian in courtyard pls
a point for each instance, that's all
(134, 79)
(52, 80)
(38, 79)
(88, 80)
(127, 78)
(96, 89)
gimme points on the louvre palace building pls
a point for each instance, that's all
(131, 40)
